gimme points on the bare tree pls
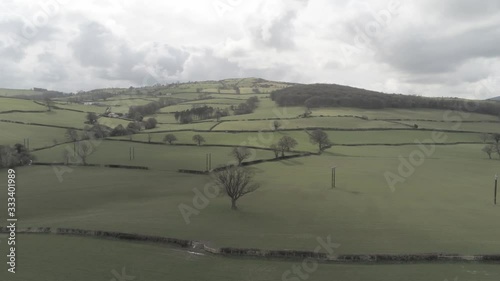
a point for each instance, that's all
(240, 154)
(488, 149)
(49, 103)
(496, 147)
(276, 150)
(198, 139)
(277, 125)
(320, 138)
(84, 150)
(170, 138)
(485, 137)
(235, 182)
(285, 144)
(72, 134)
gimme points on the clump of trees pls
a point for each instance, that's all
(15, 156)
(247, 107)
(150, 123)
(330, 95)
(199, 113)
(235, 182)
(137, 112)
(91, 118)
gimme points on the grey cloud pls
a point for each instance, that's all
(441, 54)
(96, 45)
(463, 9)
(112, 58)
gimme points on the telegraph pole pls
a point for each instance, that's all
(333, 176)
(495, 195)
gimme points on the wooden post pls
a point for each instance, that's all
(333, 176)
(495, 196)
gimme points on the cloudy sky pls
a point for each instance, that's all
(432, 48)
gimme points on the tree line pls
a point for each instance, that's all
(137, 112)
(330, 95)
(199, 113)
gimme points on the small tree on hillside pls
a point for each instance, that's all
(276, 125)
(235, 182)
(488, 149)
(198, 139)
(150, 123)
(92, 118)
(170, 138)
(240, 154)
(84, 150)
(276, 150)
(485, 137)
(496, 139)
(71, 134)
(286, 144)
(49, 103)
(320, 138)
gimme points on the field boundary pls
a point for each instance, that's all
(91, 165)
(263, 253)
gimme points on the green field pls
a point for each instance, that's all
(7, 104)
(158, 157)
(38, 136)
(442, 204)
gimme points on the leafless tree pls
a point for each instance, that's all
(235, 182)
(276, 150)
(240, 154)
(496, 139)
(49, 103)
(83, 150)
(72, 134)
(285, 144)
(489, 149)
(485, 137)
(320, 138)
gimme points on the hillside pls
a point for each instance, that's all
(331, 95)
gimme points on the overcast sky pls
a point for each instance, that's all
(432, 48)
